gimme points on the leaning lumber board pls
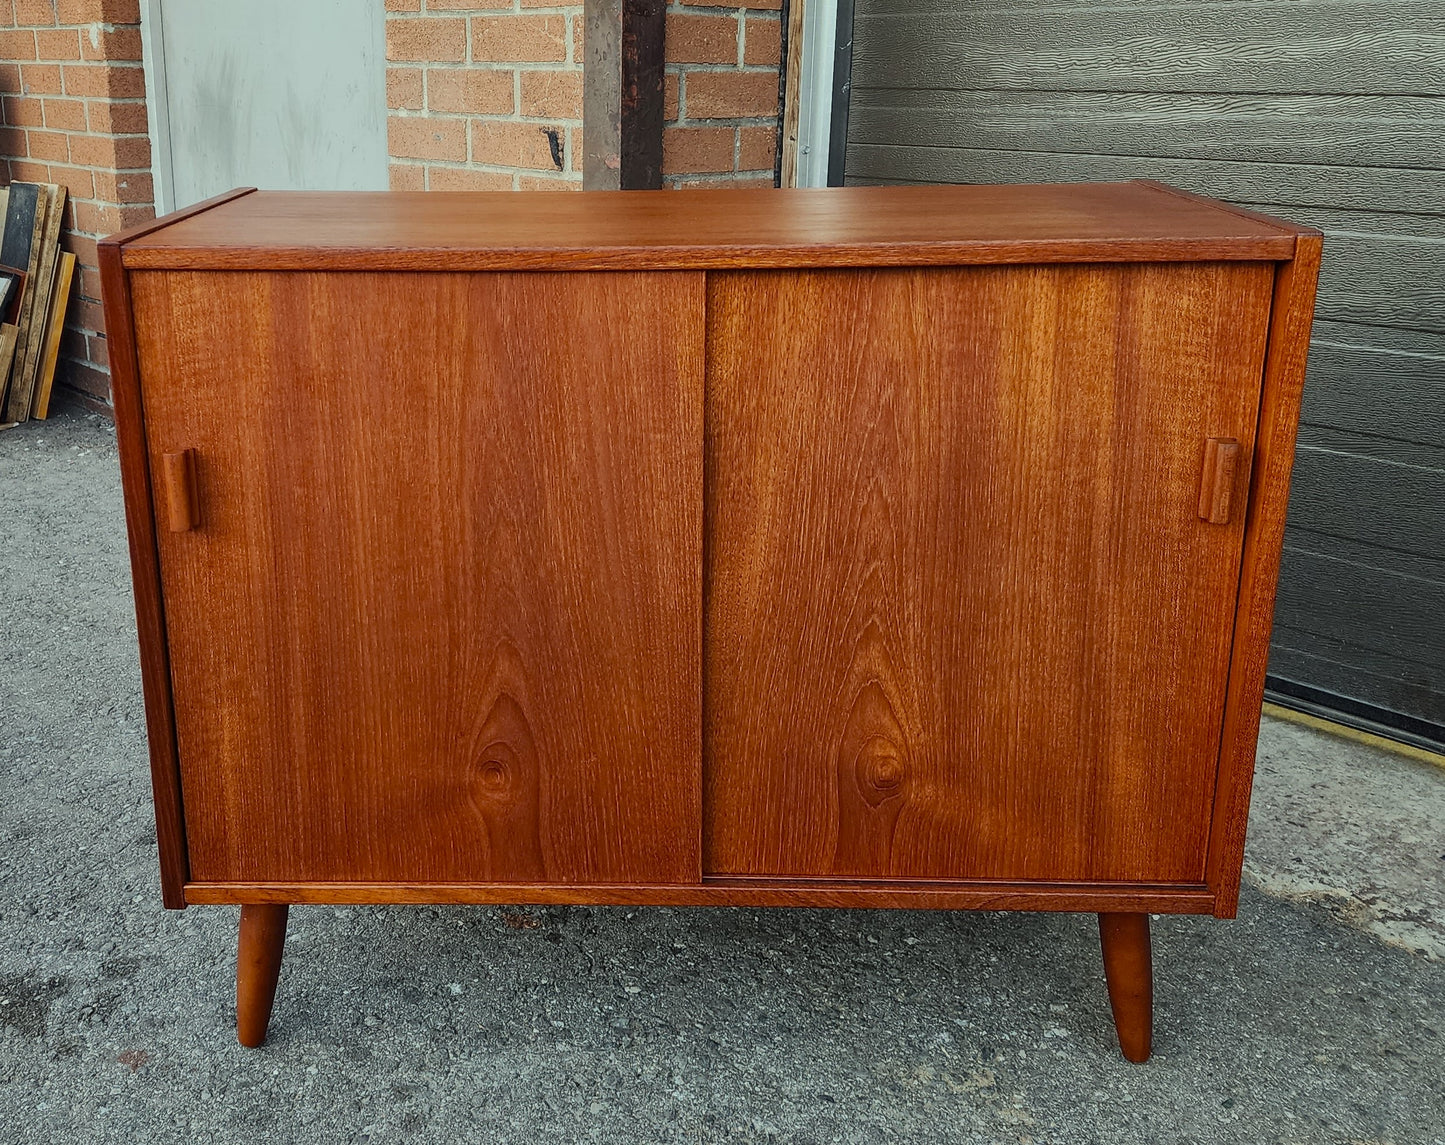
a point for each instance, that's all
(32, 340)
(17, 397)
(17, 245)
(59, 297)
(8, 333)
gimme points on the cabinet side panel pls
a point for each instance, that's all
(145, 574)
(440, 617)
(1291, 317)
(963, 618)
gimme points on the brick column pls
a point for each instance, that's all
(722, 93)
(484, 95)
(73, 97)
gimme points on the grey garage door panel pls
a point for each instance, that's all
(1375, 131)
(1290, 185)
(1359, 498)
(1379, 269)
(1341, 603)
(1377, 381)
(1369, 447)
(1148, 46)
(1380, 681)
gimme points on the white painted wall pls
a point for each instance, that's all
(277, 94)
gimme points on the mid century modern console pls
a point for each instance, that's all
(891, 547)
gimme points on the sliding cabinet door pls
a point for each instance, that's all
(440, 618)
(963, 618)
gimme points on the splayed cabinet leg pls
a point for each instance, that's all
(1129, 969)
(258, 963)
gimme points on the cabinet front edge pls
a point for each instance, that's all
(135, 474)
(1281, 390)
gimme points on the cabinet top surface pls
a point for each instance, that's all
(706, 229)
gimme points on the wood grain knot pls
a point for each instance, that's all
(494, 776)
(503, 783)
(873, 779)
(880, 769)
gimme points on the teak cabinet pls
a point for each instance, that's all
(898, 546)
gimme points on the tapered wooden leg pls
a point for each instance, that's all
(1130, 973)
(258, 963)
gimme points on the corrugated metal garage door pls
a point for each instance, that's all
(1331, 112)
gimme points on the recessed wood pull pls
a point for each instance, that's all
(1221, 471)
(178, 483)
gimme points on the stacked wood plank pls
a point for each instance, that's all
(39, 275)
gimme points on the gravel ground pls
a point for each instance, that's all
(1316, 1016)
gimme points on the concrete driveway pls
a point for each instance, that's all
(1317, 1016)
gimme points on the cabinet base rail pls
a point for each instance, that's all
(1152, 898)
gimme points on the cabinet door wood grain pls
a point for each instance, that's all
(962, 617)
(439, 615)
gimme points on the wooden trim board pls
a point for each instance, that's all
(9, 335)
(622, 95)
(1158, 899)
(788, 125)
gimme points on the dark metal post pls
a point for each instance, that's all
(622, 84)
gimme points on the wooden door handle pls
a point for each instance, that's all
(1221, 472)
(178, 484)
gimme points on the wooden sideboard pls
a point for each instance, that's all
(876, 547)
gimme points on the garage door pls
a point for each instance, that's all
(1330, 112)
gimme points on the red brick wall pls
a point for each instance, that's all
(487, 94)
(484, 94)
(722, 92)
(72, 98)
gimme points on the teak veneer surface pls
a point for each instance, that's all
(440, 616)
(905, 547)
(437, 626)
(713, 228)
(963, 619)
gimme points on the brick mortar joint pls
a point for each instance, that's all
(481, 116)
(492, 168)
(488, 13)
(769, 121)
(497, 66)
(725, 69)
(82, 28)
